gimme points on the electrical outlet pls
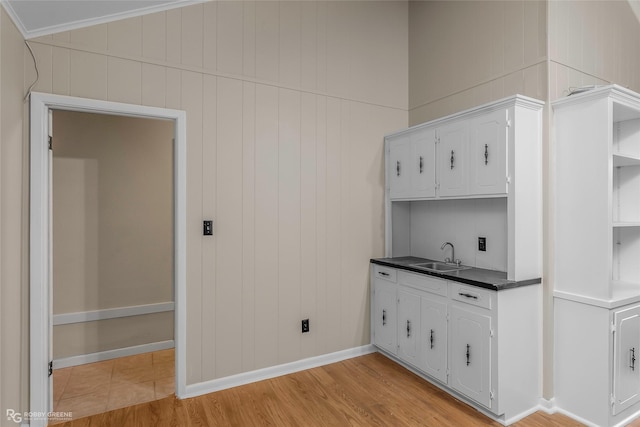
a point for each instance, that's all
(207, 228)
(305, 325)
(482, 244)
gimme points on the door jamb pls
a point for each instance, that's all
(40, 279)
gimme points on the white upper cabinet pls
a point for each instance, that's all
(452, 159)
(488, 154)
(400, 164)
(470, 154)
(424, 158)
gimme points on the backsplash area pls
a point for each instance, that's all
(461, 222)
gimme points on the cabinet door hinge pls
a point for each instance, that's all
(50, 143)
(612, 400)
(50, 367)
(447, 317)
(448, 371)
(613, 327)
(492, 395)
(491, 334)
(508, 179)
(508, 123)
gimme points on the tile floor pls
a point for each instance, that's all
(99, 387)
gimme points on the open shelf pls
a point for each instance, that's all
(626, 247)
(621, 160)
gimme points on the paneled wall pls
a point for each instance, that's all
(287, 104)
(14, 364)
(467, 53)
(592, 43)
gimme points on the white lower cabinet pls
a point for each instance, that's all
(470, 354)
(383, 313)
(433, 337)
(448, 331)
(626, 362)
(408, 326)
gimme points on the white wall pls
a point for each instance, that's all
(287, 104)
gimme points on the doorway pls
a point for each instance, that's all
(43, 107)
(112, 237)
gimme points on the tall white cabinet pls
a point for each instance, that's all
(474, 174)
(597, 253)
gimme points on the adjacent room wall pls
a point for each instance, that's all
(14, 332)
(112, 228)
(287, 104)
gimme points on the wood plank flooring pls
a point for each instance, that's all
(365, 391)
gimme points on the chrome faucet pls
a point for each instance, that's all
(453, 254)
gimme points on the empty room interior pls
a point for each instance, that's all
(320, 212)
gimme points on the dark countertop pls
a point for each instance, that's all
(483, 278)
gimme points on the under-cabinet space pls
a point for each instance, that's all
(421, 227)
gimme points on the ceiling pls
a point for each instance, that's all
(36, 18)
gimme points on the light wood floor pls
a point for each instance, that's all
(95, 388)
(365, 391)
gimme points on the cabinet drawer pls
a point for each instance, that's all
(385, 273)
(472, 295)
(423, 283)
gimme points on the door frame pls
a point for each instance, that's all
(40, 248)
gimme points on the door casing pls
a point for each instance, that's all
(40, 249)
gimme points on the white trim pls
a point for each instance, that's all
(575, 417)
(100, 356)
(39, 248)
(548, 406)
(74, 25)
(111, 313)
(205, 387)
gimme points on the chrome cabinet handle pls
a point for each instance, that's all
(408, 328)
(431, 339)
(421, 166)
(633, 359)
(453, 159)
(486, 154)
(384, 317)
(468, 354)
(398, 168)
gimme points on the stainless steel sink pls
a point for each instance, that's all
(441, 267)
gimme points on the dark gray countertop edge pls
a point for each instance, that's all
(480, 284)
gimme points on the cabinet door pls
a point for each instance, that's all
(470, 354)
(384, 316)
(408, 326)
(400, 167)
(488, 154)
(452, 169)
(423, 181)
(433, 342)
(626, 380)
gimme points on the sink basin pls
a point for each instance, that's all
(442, 267)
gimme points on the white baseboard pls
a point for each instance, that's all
(548, 406)
(82, 359)
(111, 313)
(575, 417)
(205, 387)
